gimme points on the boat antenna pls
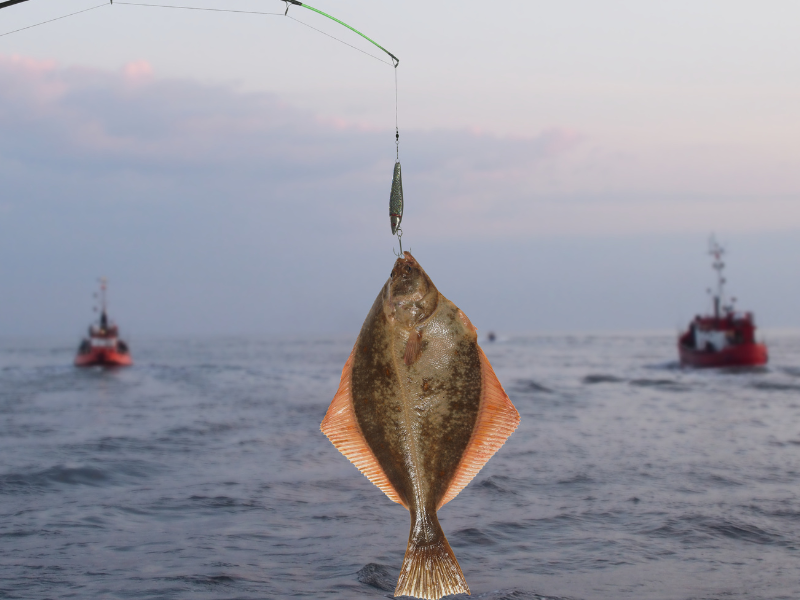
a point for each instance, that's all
(103, 314)
(716, 250)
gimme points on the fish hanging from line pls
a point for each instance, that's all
(419, 411)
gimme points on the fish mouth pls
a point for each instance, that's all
(405, 258)
(411, 296)
(404, 265)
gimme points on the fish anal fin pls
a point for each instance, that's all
(342, 429)
(413, 347)
(497, 419)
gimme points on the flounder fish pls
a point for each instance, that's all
(419, 411)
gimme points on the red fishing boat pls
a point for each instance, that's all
(725, 339)
(103, 346)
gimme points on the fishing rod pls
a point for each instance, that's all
(396, 193)
(395, 60)
(10, 3)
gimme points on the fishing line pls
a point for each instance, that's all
(251, 12)
(396, 203)
(340, 41)
(396, 194)
(56, 19)
(246, 12)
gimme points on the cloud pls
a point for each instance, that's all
(138, 70)
(77, 136)
(89, 118)
(216, 210)
(93, 126)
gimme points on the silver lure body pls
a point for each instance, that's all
(396, 199)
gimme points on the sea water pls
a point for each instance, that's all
(201, 472)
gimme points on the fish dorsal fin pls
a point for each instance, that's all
(497, 419)
(342, 429)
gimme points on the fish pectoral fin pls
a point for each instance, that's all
(497, 419)
(413, 347)
(344, 432)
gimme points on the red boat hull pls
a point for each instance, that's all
(740, 355)
(103, 357)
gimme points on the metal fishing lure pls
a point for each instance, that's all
(396, 200)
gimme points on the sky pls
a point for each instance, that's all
(564, 164)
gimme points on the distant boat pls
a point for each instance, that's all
(725, 339)
(103, 346)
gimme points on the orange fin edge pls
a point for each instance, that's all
(497, 420)
(341, 427)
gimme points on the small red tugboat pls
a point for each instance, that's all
(725, 339)
(103, 347)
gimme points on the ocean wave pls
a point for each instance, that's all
(774, 386)
(529, 386)
(36, 481)
(471, 536)
(379, 576)
(664, 384)
(601, 378)
(698, 530)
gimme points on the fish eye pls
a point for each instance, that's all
(408, 268)
(392, 273)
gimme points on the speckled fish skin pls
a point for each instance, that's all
(425, 413)
(417, 418)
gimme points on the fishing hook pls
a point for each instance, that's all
(400, 240)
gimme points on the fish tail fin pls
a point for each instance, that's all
(430, 569)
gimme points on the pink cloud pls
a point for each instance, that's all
(35, 81)
(92, 114)
(94, 123)
(138, 70)
(26, 64)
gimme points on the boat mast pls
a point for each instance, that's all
(717, 251)
(103, 314)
